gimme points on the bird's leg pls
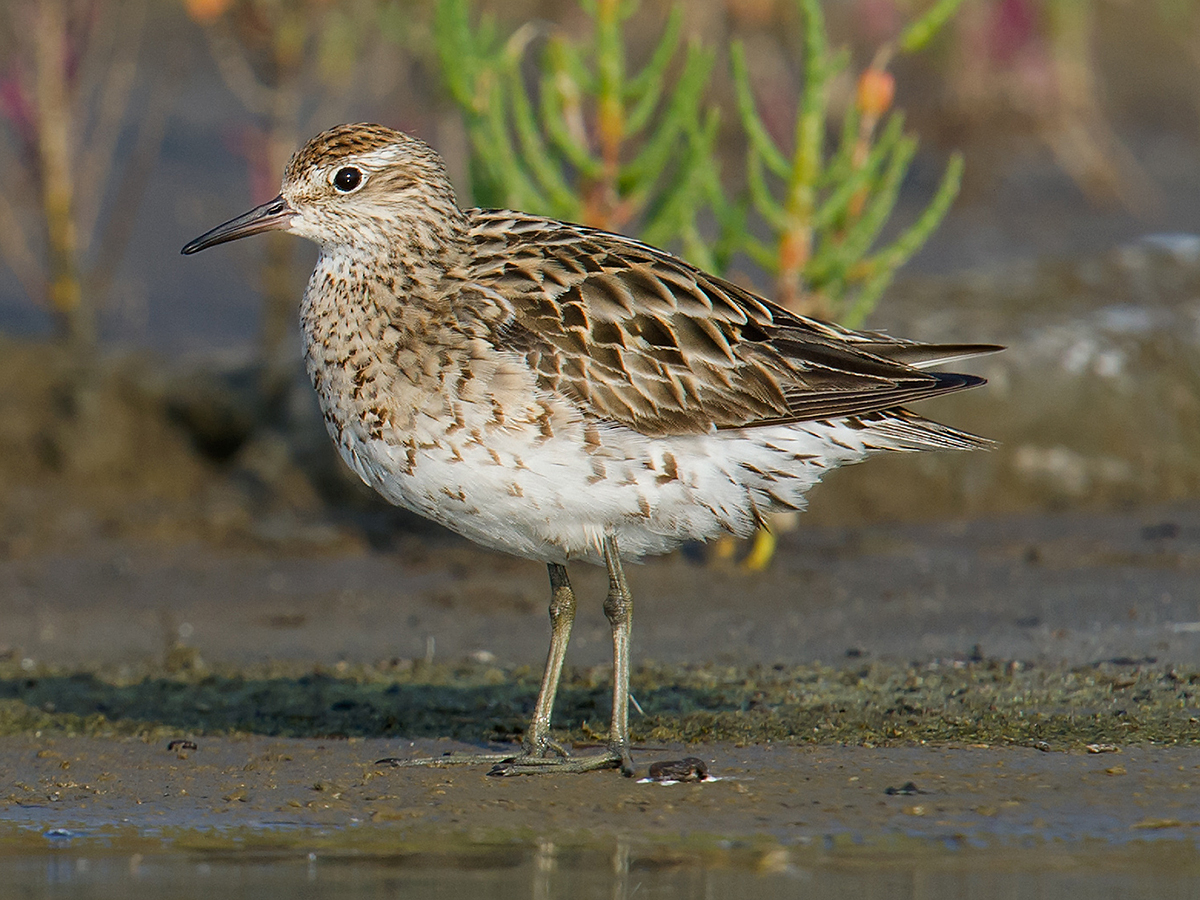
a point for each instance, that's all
(537, 743)
(541, 754)
(562, 616)
(618, 607)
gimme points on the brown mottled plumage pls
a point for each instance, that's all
(563, 393)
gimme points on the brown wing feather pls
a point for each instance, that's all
(642, 338)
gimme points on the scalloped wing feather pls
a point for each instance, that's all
(642, 338)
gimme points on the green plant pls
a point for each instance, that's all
(581, 147)
(590, 142)
(826, 212)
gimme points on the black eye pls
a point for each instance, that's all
(347, 179)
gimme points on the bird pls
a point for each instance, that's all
(567, 394)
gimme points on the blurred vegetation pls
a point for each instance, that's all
(565, 124)
(568, 147)
(828, 210)
(293, 64)
(990, 702)
(593, 143)
(67, 198)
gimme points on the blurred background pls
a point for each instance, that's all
(1015, 171)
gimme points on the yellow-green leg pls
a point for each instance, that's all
(541, 754)
(618, 608)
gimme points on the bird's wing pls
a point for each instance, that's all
(638, 336)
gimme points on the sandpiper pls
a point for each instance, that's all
(563, 393)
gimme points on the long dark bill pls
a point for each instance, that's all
(273, 214)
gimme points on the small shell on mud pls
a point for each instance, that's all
(690, 768)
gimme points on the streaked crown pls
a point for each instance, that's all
(366, 186)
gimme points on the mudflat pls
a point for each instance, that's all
(974, 680)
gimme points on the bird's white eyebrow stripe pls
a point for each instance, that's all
(372, 159)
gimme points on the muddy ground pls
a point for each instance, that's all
(1067, 589)
(786, 794)
(266, 817)
(983, 662)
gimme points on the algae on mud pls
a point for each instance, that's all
(965, 701)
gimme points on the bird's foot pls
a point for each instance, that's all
(615, 757)
(541, 751)
(553, 759)
(446, 759)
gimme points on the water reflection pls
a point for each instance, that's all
(617, 869)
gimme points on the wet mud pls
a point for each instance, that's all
(788, 794)
(268, 817)
(985, 681)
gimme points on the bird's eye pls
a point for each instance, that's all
(347, 179)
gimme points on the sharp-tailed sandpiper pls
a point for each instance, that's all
(562, 393)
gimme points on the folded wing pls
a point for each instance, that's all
(639, 337)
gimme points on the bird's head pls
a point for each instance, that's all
(359, 188)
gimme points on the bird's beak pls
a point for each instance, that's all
(271, 216)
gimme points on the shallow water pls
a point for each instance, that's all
(97, 866)
(265, 818)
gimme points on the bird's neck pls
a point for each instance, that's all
(411, 298)
(419, 260)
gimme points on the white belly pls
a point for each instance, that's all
(553, 500)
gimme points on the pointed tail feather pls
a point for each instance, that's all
(923, 356)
